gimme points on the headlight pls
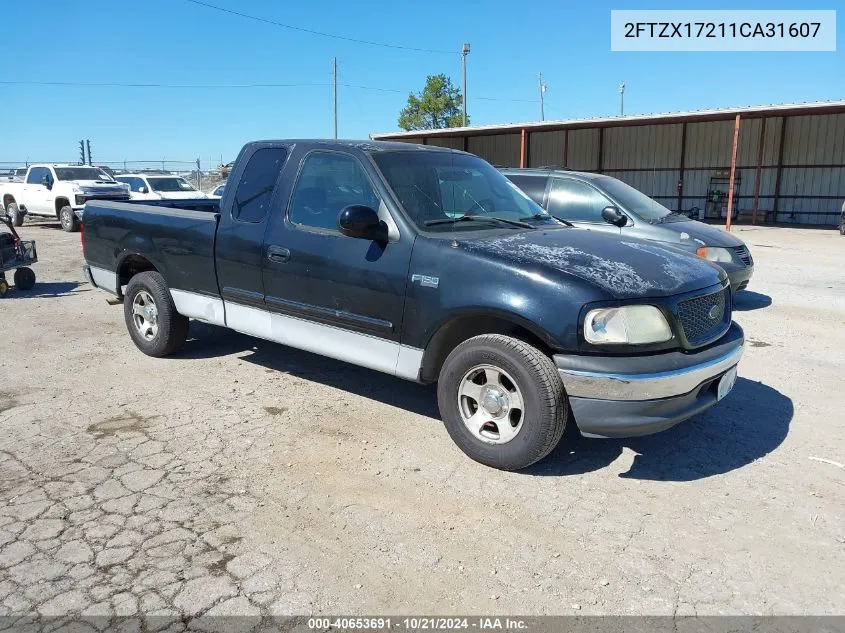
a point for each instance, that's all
(718, 255)
(630, 325)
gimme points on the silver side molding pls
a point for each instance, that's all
(104, 279)
(201, 307)
(327, 340)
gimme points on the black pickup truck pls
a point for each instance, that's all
(426, 263)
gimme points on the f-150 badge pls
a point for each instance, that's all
(426, 281)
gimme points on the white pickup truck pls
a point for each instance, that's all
(58, 191)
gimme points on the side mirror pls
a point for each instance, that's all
(362, 222)
(46, 181)
(142, 190)
(614, 216)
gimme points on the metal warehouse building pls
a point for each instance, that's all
(790, 164)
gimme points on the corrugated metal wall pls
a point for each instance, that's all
(648, 157)
(546, 149)
(452, 142)
(501, 149)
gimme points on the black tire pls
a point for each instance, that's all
(14, 214)
(24, 278)
(545, 405)
(4, 287)
(172, 327)
(68, 220)
(842, 227)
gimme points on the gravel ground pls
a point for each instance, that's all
(243, 477)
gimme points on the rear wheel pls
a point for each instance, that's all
(24, 278)
(151, 318)
(842, 226)
(68, 219)
(4, 286)
(14, 214)
(502, 401)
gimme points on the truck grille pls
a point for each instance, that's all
(705, 318)
(744, 254)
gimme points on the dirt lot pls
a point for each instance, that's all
(244, 477)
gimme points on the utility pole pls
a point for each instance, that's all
(334, 92)
(622, 99)
(542, 93)
(199, 175)
(88, 144)
(464, 53)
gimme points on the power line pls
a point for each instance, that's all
(320, 33)
(396, 90)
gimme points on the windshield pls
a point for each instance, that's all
(438, 186)
(634, 201)
(81, 173)
(170, 184)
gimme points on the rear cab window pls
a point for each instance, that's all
(255, 188)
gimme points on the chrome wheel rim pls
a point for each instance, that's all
(145, 315)
(491, 404)
(65, 218)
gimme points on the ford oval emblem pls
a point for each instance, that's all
(713, 313)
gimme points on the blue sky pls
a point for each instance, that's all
(178, 42)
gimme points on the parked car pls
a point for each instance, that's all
(16, 175)
(427, 264)
(159, 187)
(602, 203)
(58, 191)
(217, 192)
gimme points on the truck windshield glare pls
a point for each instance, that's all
(80, 173)
(438, 186)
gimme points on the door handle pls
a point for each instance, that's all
(277, 254)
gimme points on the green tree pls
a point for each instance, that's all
(437, 106)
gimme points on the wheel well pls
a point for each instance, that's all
(61, 202)
(455, 332)
(7, 200)
(131, 266)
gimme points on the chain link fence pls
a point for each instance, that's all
(204, 174)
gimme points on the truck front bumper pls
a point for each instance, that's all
(614, 396)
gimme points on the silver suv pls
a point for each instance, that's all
(603, 203)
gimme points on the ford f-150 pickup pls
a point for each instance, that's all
(426, 263)
(59, 191)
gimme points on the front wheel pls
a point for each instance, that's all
(68, 219)
(14, 214)
(151, 318)
(502, 401)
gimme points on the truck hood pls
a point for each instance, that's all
(699, 233)
(97, 185)
(625, 268)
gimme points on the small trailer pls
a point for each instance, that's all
(16, 254)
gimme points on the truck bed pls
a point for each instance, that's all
(175, 236)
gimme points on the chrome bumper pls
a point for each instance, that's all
(638, 395)
(646, 386)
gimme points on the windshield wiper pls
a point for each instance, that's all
(559, 219)
(479, 218)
